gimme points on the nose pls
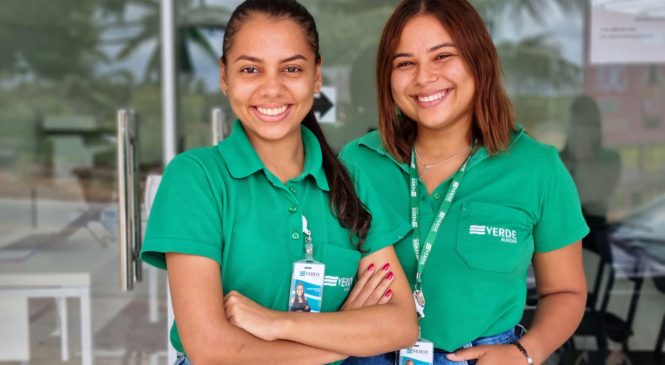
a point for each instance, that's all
(272, 86)
(424, 75)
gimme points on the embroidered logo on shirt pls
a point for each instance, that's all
(345, 283)
(505, 234)
(480, 230)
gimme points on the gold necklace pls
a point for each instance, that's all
(428, 166)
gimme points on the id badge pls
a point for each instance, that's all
(306, 294)
(422, 353)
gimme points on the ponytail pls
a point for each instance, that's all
(344, 202)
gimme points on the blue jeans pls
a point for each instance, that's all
(391, 358)
(182, 360)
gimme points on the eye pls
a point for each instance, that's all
(249, 70)
(292, 69)
(442, 56)
(404, 64)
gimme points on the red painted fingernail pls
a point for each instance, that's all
(390, 275)
(386, 266)
(389, 293)
(370, 267)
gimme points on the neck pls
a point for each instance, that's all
(438, 144)
(284, 158)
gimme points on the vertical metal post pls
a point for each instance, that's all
(169, 101)
(167, 26)
(218, 118)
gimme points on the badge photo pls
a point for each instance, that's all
(306, 293)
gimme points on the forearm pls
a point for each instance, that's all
(235, 346)
(360, 332)
(556, 319)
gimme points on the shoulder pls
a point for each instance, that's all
(367, 152)
(533, 154)
(362, 147)
(202, 155)
(200, 166)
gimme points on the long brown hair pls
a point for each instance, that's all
(344, 202)
(492, 112)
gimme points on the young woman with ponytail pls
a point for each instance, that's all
(227, 222)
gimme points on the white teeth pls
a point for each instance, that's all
(427, 99)
(272, 111)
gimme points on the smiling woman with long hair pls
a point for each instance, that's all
(230, 222)
(485, 199)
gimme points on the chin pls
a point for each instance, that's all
(277, 132)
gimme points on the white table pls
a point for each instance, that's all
(60, 286)
(60, 271)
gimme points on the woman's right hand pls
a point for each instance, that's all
(372, 288)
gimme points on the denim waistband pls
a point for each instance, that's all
(504, 337)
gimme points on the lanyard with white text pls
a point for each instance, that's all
(434, 228)
(307, 276)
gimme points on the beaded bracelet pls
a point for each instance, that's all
(519, 346)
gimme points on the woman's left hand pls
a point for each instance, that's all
(251, 317)
(490, 355)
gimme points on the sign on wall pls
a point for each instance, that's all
(627, 31)
(324, 105)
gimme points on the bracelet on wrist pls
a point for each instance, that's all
(519, 346)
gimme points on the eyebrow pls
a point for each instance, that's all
(435, 48)
(258, 60)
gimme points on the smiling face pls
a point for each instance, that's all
(430, 82)
(270, 77)
(300, 290)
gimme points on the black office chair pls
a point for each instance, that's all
(598, 321)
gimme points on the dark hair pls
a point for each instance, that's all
(492, 112)
(344, 202)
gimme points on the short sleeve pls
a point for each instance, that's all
(561, 221)
(185, 215)
(388, 227)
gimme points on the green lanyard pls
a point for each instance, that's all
(434, 229)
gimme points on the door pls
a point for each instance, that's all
(66, 69)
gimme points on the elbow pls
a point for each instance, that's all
(200, 358)
(410, 334)
(208, 358)
(201, 354)
(204, 352)
(407, 332)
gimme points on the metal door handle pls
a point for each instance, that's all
(128, 199)
(218, 117)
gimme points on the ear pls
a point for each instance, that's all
(223, 81)
(318, 77)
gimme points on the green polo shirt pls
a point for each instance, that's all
(509, 206)
(222, 203)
